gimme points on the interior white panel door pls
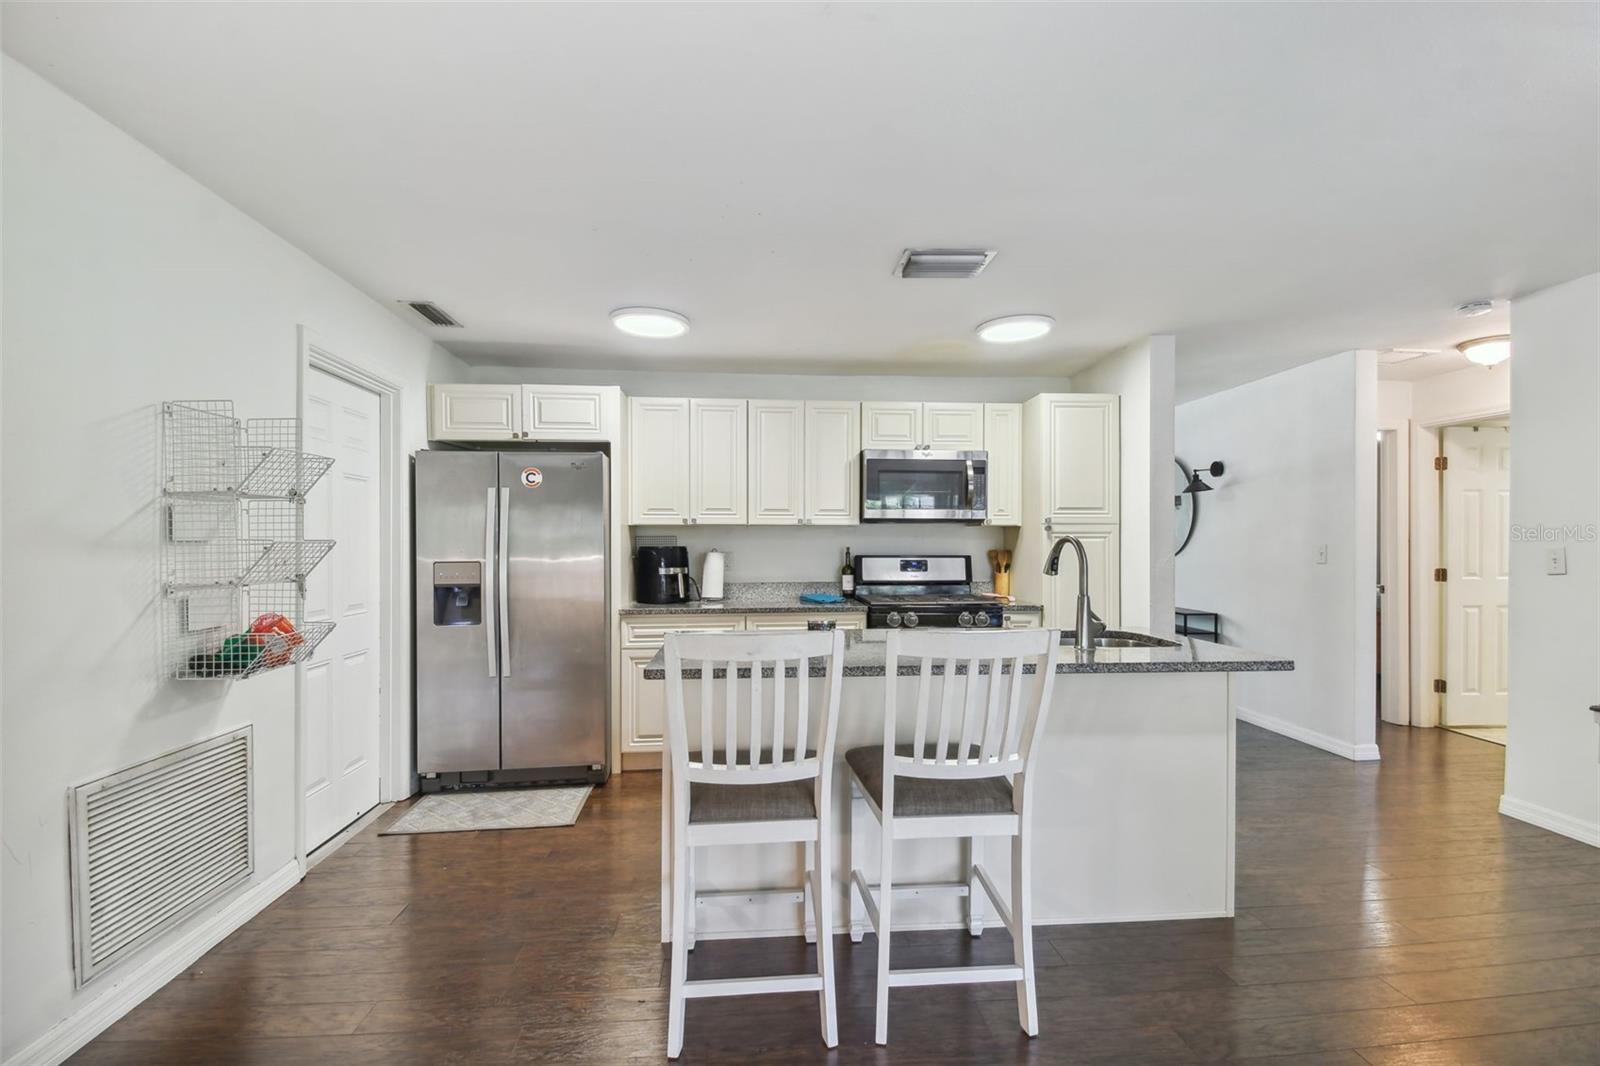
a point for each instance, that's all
(833, 463)
(777, 462)
(340, 738)
(1477, 532)
(718, 452)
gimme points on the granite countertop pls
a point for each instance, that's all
(766, 597)
(864, 657)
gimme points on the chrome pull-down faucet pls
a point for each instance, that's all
(1088, 625)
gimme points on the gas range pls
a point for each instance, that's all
(923, 592)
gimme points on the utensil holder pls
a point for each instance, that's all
(1002, 583)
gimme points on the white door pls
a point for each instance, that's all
(1477, 530)
(718, 447)
(833, 463)
(956, 427)
(891, 425)
(340, 743)
(658, 461)
(777, 462)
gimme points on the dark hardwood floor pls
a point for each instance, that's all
(1387, 916)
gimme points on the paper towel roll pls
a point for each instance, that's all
(711, 576)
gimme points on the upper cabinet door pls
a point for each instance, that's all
(833, 463)
(777, 462)
(717, 451)
(891, 425)
(475, 412)
(1002, 438)
(1083, 468)
(569, 412)
(955, 427)
(658, 461)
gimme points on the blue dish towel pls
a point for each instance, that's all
(821, 597)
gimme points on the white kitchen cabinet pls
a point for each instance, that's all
(777, 462)
(796, 623)
(1080, 466)
(1102, 548)
(891, 425)
(644, 703)
(475, 412)
(570, 412)
(658, 461)
(1002, 439)
(718, 449)
(832, 463)
(953, 426)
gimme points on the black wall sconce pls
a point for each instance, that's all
(1196, 484)
(1186, 501)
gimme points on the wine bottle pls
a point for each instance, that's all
(847, 576)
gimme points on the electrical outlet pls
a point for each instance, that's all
(1555, 561)
(1322, 555)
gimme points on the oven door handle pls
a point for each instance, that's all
(971, 488)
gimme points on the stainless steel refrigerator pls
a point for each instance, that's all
(512, 583)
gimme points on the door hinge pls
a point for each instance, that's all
(1441, 462)
(1438, 684)
(1441, 574)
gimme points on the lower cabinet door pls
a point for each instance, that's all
(1102, 547)
(644, 704)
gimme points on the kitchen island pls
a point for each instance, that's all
(1136, 802)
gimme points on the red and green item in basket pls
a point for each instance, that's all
(239, 653)
(277, 637)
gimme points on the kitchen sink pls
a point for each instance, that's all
(1113, 638)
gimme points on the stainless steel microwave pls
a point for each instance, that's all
(922, 485)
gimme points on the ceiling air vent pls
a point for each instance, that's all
(942, 262)
(432, 312)
(1396, 356)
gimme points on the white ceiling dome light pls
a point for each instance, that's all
(653, 322)
(1487, 351)
(1013, 329)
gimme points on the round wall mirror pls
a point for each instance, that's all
(1187, 508)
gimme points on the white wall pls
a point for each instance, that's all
(126, 283)
(1142, 375)
(1299, 449)
(1553, 743)
(1460, 395)
(997, 388)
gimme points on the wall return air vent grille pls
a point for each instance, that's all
(154, 843)
(942, 262)
(436, 315)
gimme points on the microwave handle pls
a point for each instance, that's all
(971, 487)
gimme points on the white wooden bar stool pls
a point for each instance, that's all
(951, 780)
(769, 782)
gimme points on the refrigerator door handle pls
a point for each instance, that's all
(501, 592)
(489, 595)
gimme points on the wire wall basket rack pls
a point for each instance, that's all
(235, 554)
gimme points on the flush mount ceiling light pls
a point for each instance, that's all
(1014, 328)
(649, 322)
(1487, 351)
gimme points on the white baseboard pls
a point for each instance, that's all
(1555, 821)
(130, 988)
(1354, 752)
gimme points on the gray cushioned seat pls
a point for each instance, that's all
(783, 801)
(926, 797)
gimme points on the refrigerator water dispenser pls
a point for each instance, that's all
(458, 594)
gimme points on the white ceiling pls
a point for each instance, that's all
(1272, 183)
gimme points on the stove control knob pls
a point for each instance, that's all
(911, 619)
(981, 619)
(894, 619)
(965, 619)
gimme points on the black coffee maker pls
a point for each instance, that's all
(661, 575)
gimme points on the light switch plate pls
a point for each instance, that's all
(1322, 555)
(1555, 561)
